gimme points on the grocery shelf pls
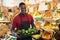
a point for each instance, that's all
(5, 21)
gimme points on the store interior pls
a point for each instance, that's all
(46, 15)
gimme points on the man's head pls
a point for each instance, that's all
(22, 7)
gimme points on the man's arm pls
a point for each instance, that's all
(13, 28)
(32, 22)
(33, 25)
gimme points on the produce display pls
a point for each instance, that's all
(57, 15)
(48, 26)
(30, 31)
(3, 30)
(47, 11)
(36, 36)
(48, 35)
(0, 15)
(48, 14)
(9, 37)
(39, 24)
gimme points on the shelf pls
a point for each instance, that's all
(5, 22)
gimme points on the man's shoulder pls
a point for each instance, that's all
(17, 16)
(28, 14)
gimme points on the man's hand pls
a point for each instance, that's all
(13, 32)
(17, 34)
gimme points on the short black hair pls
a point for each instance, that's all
(22, 3)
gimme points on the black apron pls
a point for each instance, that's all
(25, 25)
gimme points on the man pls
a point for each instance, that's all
(22, 21)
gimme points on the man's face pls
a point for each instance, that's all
(23, 9)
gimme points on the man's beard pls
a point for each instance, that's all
(22, 14)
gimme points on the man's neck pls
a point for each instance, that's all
(22, 14)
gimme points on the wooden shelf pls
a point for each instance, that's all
(5, 22)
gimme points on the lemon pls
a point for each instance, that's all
(36, 36)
